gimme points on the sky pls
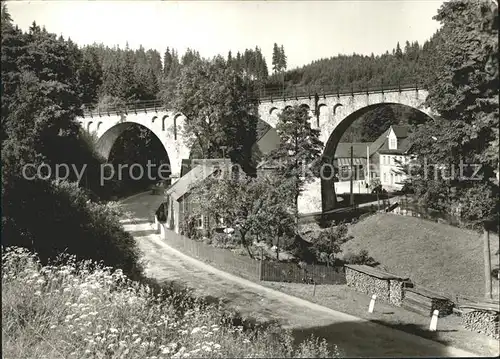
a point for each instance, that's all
(308, 30)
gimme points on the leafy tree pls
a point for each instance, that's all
(299, 149)
(219, 112)
(40, 100)
(376, 187)
(379, 120)
(463, 88)
(13, 44)
(329, 242)
(276, 223)
(242, 203)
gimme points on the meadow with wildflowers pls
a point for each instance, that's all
(71, 309)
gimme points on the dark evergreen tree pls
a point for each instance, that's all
(276, 58)
(167, 62)
(282, 59)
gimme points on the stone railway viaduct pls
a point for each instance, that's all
(331, 113)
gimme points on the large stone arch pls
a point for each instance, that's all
(161, 123)
(328, 195)
(106, 141)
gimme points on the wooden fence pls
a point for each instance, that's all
(221, 258)
(252, 269)
(292, 273)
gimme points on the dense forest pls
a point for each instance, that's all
(115, 75)
(402, 65)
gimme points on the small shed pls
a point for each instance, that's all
(388, 287)
(481, 317)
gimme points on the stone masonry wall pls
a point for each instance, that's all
(367, 284)
(396, 292)
(481, 322)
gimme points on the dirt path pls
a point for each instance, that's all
(355, 337)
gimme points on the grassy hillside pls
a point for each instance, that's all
(443, 258)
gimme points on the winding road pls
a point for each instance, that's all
(355, 337)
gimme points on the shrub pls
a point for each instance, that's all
(50, 218)
(82, 309)
(188, 228)
(361, 257)
(161, 212)
(223, 240)
(328, 243)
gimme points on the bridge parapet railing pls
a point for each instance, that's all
(277, 93)
(263, 94)
(123, 108)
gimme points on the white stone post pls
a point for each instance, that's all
(372, 303)
(434, 321)
(157, 225)
(163, 232)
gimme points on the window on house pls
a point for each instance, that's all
(199, 222)
(361, 173)
(392, 143)
(385, 177)
(344, 172)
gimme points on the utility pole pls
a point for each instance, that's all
(352, 177)
(283, 83)
(367, 179)
(487, 262)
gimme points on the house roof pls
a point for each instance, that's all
(268, 141)
(403, 146)
(358, 149)
(400, 131)
(188, 164)
(201, 169)
(185, 166)
(381, 144)
(375, 146)
(262, 129)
